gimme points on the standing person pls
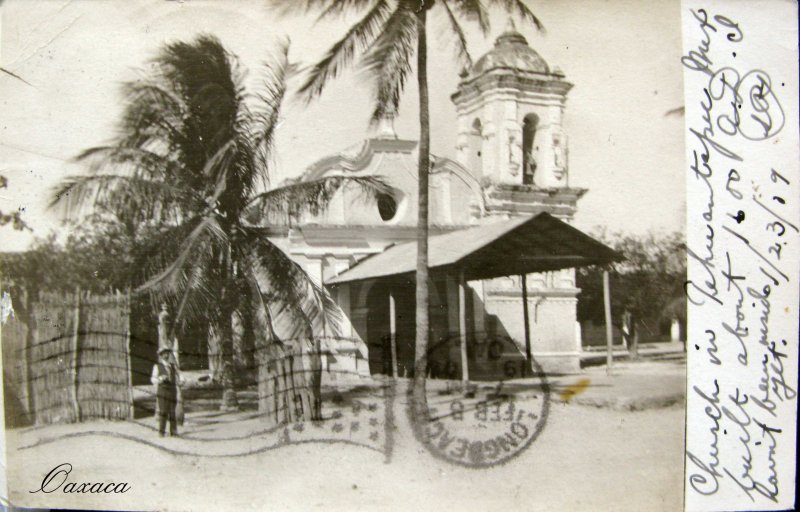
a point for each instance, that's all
(166, 378)
(626, 327)
(630, 334)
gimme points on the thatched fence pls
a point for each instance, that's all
(16, 389)
(71, 361)
(289, 382)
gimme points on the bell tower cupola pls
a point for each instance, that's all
(510, 108)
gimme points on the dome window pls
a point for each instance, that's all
(387, 207)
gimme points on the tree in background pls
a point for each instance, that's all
(388, 34)
(649, 283)
(96, 260)
(192, 163)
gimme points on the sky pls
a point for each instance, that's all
(623, 58)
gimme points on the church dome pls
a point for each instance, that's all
(510, 52)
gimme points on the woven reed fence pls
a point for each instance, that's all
(16, 387)
(104, 389)
(77, 363)
(289, 379)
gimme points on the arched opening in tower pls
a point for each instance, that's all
(475, 148)
(529, 124)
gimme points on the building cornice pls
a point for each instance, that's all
(508, 81)
(534, 194)
(351, 232)
(553, 294)
(503, 199)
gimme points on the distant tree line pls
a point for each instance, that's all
(649, 283)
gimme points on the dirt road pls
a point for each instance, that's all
(591, 455)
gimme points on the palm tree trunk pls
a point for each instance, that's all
(214, 351)
(422, 314)
(229, 401)
(246, 346)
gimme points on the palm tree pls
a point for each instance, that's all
(388, 34)
(193, 160)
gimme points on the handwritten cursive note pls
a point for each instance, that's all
(743, 218)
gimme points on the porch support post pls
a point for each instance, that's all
(607, 307)
(462, 327)
(393, 332)
(128, 355)
(526, 321)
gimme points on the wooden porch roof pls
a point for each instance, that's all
(520, 245)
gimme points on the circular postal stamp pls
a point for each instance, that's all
(492, 419)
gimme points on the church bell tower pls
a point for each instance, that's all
(510, 108)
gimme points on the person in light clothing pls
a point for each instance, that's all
(166, 378)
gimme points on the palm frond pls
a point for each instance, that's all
(462, 53)
(206, 229)
(339, 7)
(361, 35)
(262, 322)
(217, 167)
(389, 61)
(312, 196)
(154, 112)
(262, 120)
(146, 197)
(472, 10)
(328, 7)
(207, 79)
(518, 8)
(196, 296)
(139, 161)
(283, 285)
(287, 7)
(289, 287)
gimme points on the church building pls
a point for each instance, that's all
(511, 163)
